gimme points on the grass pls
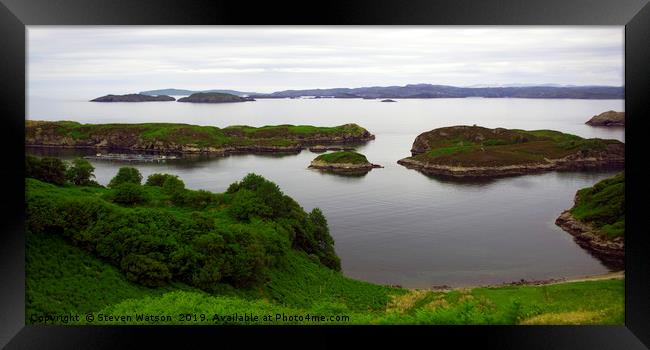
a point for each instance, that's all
(343, 157)
(603, 206)
(477, 146)
(185, 134)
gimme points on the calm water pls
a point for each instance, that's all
(394, 225)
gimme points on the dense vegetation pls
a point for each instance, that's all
(343, 157)
(136, 135)
(603, 206)
(478, 146)
(161, 249)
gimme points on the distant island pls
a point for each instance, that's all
(347, 162)
(214, 97)
(132, 98)
(428, 91)
(185, 138)
(388, 100)
(597, 220)
(609, 118)
(474, 151)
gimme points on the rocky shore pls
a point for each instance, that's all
(343, 167)
(184, 138)
(611, 252)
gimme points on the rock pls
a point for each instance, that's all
(214, 97)
(133, 98)
(609, 118)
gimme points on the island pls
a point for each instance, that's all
(186, 138)
(388, 100)
(474, 151)
(324, 148)
(609, 118)
(214, 97)
(346, 162)
(597, 220)
(133, 98)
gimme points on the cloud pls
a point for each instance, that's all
(87, 61)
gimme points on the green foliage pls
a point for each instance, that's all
(128, 193)
(81, 173)
(158, 179)
(47, 169)
(124, 175)
(603, 206)
(342, 157)
(145, 269)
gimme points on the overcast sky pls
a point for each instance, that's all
(92, 61)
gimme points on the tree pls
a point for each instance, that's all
(124, 175)
(48, 169)
(129, 194)
(158, 179)
(81, 172)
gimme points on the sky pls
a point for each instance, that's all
(93, 61)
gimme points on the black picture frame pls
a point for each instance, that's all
(15, 15)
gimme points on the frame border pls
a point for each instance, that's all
(15, 15)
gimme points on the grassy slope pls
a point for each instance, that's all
(603, 206)
(508, 148)
(63, 278)
(276, 135)
(343, 157)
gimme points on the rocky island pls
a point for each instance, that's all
(609, 118)
(324, 148)
(133, 98)
(597, 220)
(474, 151)
(185, 138)
(346, 162)
(388, 100)
(214, 97)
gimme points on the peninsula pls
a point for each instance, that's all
(214, 97)
(185, 138)
(343, 162)
(609, 118)
(133, 98)
(597, 220)
(474, 151)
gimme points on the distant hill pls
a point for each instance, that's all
(181, 92)
(431, 91)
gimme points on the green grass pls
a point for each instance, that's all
(477, 146)
(603, 206)
(186, 134)
(342, 157)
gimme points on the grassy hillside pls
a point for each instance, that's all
(159, 249)
(126, 135)
(603, 206)
(478, 146)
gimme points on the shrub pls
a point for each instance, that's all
(145, 270)
(81, 172)
(158, 179)
(124, 175)
(129, 194)
(47, 169)
(246, 205)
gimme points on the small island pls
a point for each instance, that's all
(133, 98)
(597, 220)
(325, 148)
(388, 100)
(474, 151)
(214, 97)
(345, 162)
(174, 138)
(609, 118)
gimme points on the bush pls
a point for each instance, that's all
(81, 173)
(126, 175)
(158, 179)
(145, 270)
(129, 194)
(246, 205)
(47, 169)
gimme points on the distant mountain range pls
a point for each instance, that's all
(431, 91)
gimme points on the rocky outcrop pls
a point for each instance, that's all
(184, 138)
(214, 97)
(609, 118)
(133, 98)
(611, 252)
(343, 167)
(323, 148)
